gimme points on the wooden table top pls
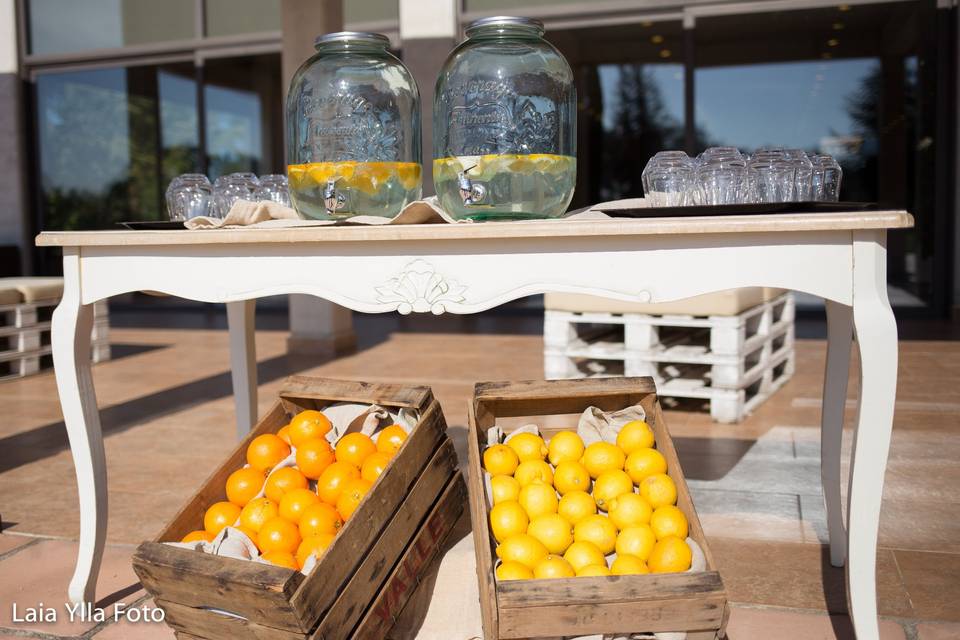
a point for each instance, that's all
(613, 227)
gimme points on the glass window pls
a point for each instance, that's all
(630, 90)
(242, 102)
(63, 26)
(855, 81)
(109, 139)
(230, 17)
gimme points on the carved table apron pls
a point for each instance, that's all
(840, 257)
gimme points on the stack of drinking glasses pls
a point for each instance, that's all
(724, 175)
(191, 194)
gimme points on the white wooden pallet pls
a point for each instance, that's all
(614, 333)
(734, 362)
(25, 336)
(726, 405)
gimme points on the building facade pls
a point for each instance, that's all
(107, 100)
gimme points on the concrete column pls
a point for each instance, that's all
(429, 29)
(317, 327)
(15, 227)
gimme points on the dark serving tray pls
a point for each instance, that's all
(757, 209)
(153, 225)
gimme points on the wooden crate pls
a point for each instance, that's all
(368, 573)
(691, 602)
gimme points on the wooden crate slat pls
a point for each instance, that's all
(578, 617)
(204, 624)
(314, 597)
(517, 594)
(355, 598)
(481, 525)
(259, 592)
(382, 393)
(526, 398)
(406, 575)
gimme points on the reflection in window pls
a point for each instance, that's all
(242, 110)
(642, 114)
(178, 123)
(63, 26)
(821, 106)
(102, 141)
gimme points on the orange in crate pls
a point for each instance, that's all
(281, 559)
(258, 511)
(220, 515)
(295, 502)
(278, 534)
(353, 492)
(315, 545)
(307, 425)
(266, 451)
(374, 465)
(332, 481)
(354, 448)
(320, 518)
(391, 439)
(282, 481)
(194, 536)
(314, 456)
(243, 485)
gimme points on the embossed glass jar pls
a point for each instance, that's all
(504, 124)
(353, 130)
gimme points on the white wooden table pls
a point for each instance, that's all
(468, 268)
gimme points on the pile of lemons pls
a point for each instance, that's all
(561, 508)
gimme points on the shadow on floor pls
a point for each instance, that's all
(50, 439)
(119, 350)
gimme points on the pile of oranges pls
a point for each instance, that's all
(560, 509)
(303, 507)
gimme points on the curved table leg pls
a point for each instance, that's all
(839, 341)
(70, 339)
(876, 331)
(243, 363)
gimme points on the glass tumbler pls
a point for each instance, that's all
(721, 179)
(669, 180)
(827, 176)
(274, 188)
(771, 177)
(188, 196)
(232, 187)
(803, 180)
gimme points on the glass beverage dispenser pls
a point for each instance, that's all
(504, 119)
(353, 130)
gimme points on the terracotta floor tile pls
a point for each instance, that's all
(777, 624)
(41, 573)
(9, 542)
(933, 582)
(799, 576)
(124, 629)
(938, 631)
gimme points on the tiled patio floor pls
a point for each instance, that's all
(168, 418)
